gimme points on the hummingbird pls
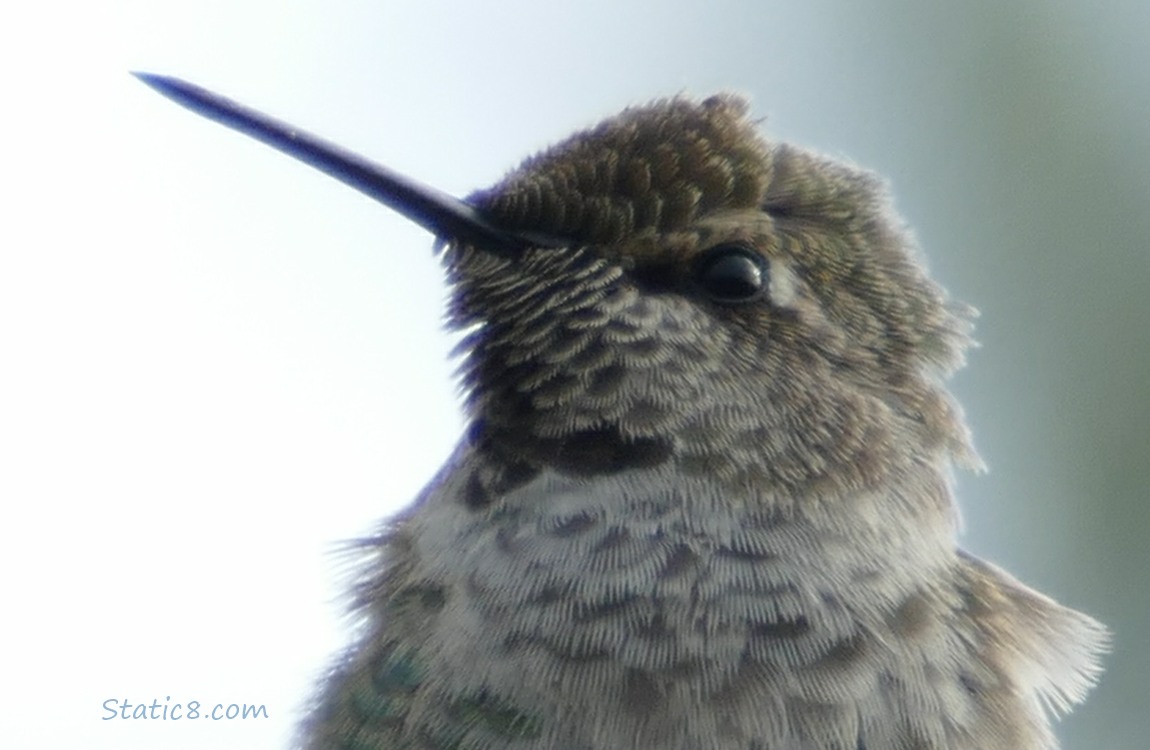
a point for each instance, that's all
(704, 500)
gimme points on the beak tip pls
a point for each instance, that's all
(173, 88)
(150, 79)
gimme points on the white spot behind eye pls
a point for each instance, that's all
(783, 286)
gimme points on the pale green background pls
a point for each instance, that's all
(216, 363)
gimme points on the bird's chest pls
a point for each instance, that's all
(648, 607)
(644, 575)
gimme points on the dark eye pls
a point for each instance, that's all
(732, 273)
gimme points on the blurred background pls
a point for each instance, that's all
(217, 363)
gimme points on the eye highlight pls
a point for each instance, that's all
(732, 273)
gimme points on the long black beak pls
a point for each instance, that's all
(444, 216)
